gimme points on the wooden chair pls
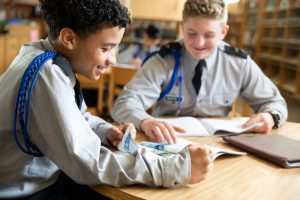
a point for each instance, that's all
(119, 76)
(244, 107)
(99, 86)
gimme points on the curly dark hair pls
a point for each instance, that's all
(83, 16)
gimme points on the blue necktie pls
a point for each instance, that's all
(198, 75)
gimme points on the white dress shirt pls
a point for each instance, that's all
(71, 140)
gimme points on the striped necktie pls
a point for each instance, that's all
(198, 75)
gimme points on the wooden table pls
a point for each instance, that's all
(232, 177)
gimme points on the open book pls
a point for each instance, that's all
(166, 150)
(211, 127)
(128, 145)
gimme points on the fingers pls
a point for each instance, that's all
(266, 123)
(123, 128)
(115, 134)
(178, 129)
(253, 119)
(169, 133)
(159, 131)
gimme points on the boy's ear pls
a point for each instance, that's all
(224, 31)
(68, 38)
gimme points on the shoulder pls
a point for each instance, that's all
(233, 51)
(169, 48)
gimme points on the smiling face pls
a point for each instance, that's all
(90, 56)
(201, 35)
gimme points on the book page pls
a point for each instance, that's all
(181, 144)
(192, 126)
(220, 127)
(216, 152)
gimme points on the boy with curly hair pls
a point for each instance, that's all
(50, 147)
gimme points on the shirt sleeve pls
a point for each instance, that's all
(140, 93)
(98, 125)
(64, 135)
(260, 92)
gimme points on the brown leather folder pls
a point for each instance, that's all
(275, 148)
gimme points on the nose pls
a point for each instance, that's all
(200, 41)
(111, 58)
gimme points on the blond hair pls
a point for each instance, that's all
(211, 9)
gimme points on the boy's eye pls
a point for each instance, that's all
(192, 34)
(209, 35)
(105, 50)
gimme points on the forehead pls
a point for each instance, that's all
(106, 35)
(201, 24)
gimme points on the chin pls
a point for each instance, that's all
(95, 78)
(200, 55)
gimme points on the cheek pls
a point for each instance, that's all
(210, 43)
(189, 41)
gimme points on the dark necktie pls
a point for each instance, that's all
(198, 75)
(78, 94)
(64, 64)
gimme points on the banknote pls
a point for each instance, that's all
(174, 148)
(170, 149)
(127, 144)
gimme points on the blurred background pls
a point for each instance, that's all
(268, 29)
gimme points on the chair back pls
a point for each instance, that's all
(119, 76)
(97, 85)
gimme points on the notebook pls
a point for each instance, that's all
(275, 148)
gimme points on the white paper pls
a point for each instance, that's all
(209, 127)
(192, 126)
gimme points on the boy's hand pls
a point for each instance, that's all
(159, 131)
(264, 118)
(200, 161)
(115, 134)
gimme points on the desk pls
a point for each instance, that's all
(234, 177)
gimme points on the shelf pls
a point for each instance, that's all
(270, 62)
(281, 41)
(266, 56)
(252, 11)
(273, 33)
(290, 86)
(275, 79)
(27, 2)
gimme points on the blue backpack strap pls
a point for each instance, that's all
(172, 82)
(151, 54)
(21, 110)
(173, 49)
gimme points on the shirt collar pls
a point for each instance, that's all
(60, 61)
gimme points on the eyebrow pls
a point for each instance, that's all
(109, 44)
